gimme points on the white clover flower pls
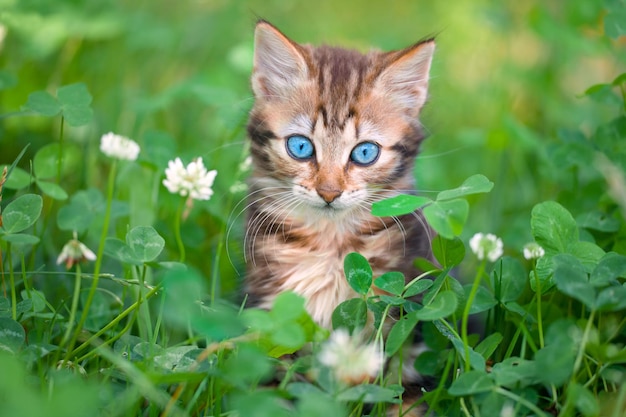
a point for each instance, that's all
(246, 164)
(3, 34)
(119, 147)
(486, 246)
(351, 361)
(532, 250)
(238, 187)
(75, 251)
(194, 181)
(71, 366)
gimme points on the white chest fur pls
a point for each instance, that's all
(320, 279)
(314, 270)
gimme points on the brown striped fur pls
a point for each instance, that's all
(304, 217)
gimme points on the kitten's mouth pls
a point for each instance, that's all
(331, 209)
(325, 209)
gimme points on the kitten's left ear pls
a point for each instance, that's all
(279, 64)
(405, 78)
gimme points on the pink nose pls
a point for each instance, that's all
(329, 195)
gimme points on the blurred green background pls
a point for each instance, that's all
(507, 84)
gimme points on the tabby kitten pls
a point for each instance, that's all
(332, 131)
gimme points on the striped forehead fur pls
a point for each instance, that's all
(340, 75)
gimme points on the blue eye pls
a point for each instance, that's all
(365, 153)
(300, 147)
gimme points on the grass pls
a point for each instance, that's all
(527, 110)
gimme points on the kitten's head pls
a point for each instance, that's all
(333, 129)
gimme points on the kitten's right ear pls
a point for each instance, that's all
(405, 79)
(278, 62)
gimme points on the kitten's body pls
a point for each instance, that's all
(307, 213)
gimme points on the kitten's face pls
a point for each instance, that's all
(333, 130)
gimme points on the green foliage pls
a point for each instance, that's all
(471, 383)
(446, 214)
(526, 94)
(143, 244)
(358, 272)
(12, 334)
(22, 397)
(21, 213)
(72, 102)
(83, 208)
(351, 314)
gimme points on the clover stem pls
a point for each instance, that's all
(92, 339)
(466, 312)
(24, 277)
(74, 307)
(583, 343)
(144, 311)
(177, 234)
(98, 265)
(60, 156)
(12, 283)
(539, 314)
(518, 399)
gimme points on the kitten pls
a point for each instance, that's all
(332, 131)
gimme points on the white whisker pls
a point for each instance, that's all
(233, 217)
(270, 211)
(440, 154)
